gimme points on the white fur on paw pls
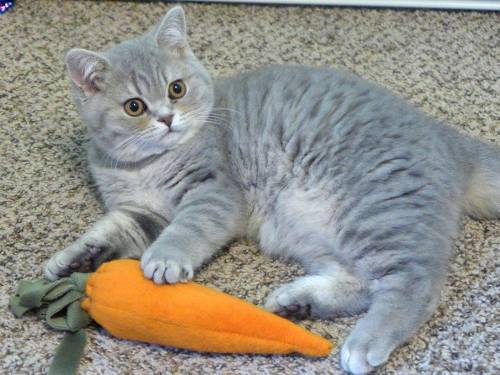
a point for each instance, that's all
(272, 303)
(280, 299)
(76, 257)
(354, 361)
(361, 354)
(162, 269)
(297, 298)
(54, 266)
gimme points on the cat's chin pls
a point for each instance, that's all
(146, 150)
(165, 143)
(169, 141)
(161, 143)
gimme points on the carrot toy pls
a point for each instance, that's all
(185, 315)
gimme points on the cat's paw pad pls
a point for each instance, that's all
(362, 353)
(162, 268)
(290, 301)
(75, 258)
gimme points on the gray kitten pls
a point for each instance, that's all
(314, 164)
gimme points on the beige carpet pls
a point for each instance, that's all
(446, 63)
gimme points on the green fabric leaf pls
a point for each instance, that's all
(17, 308)
(32, 293)
(79, 279)
(56, 317)
(58, 303)
(59, 291)
(68, 354)
(76, 318)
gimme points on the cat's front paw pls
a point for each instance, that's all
(163, 266)
(78, 257)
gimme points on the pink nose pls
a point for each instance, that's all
(167, 120)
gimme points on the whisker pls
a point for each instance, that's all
(116, 152)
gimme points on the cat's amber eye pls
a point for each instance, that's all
(176, 89)
(134, 107)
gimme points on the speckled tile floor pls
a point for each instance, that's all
(446, 63)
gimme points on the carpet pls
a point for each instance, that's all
(445, 63)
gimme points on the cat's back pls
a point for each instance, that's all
(309, 142)
(298, 121)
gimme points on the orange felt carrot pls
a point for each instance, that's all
(188, 316)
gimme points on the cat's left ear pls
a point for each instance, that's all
(87, 69)
(171, 31)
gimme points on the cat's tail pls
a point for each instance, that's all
(482, 194)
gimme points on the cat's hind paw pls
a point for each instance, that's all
(363, 352)
(298, 298)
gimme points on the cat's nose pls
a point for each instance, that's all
(167, 120)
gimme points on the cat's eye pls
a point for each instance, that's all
(176, 89)
(134, 107)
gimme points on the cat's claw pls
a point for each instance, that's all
(162, 268)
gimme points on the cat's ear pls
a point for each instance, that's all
(171, 31)
(86, 69)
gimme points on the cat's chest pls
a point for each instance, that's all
(143, 188)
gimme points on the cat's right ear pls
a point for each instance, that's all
(171, 31)
(86, 69)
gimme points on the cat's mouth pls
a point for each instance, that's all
(170, 136)
(169, 133)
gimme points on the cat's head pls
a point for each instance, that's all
(144, 96)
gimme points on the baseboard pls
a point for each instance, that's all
(436, 4)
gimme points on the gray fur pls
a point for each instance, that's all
(313, 163)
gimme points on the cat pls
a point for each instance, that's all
(315, 164)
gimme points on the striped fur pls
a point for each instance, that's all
(313, 163)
